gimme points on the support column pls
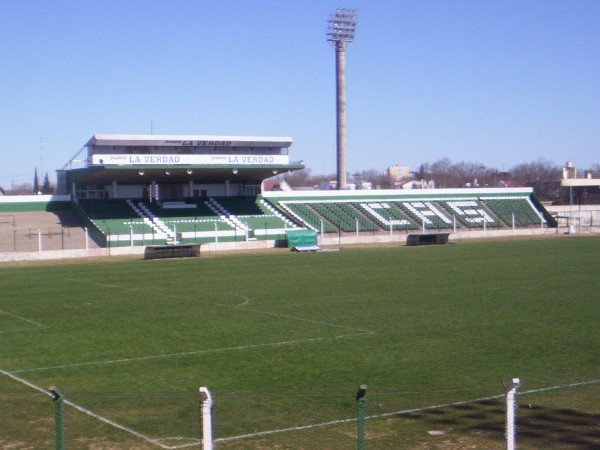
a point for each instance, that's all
(340, 70)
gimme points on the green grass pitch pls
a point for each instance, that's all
(283, 340)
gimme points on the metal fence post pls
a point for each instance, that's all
(360, 420)
(59, 417)
(511, 413)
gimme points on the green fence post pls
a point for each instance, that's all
(360, 421)
(59, 417)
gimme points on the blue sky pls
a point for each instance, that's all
(493, 82)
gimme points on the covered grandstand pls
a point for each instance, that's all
(161, 168)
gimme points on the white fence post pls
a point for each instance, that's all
(511, 413)
(322, 231)
(206, 424)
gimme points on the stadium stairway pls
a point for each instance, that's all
(285, 219)
(225, 215)
(153, 221)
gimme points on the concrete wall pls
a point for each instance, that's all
(578, 215)
(397, 237)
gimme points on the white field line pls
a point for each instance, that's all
(401, 412)
(156, 441)
(87, 411)
(244, 303)
(33, 322)
(357, 332)
(25, 330)
(195, 352)
(222, 305)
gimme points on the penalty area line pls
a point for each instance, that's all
(33, 322)
(222, 305)
(195, 352)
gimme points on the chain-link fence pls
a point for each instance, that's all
(15, 239)
(558, 416)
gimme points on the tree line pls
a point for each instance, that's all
(46, 187)
(539, 174)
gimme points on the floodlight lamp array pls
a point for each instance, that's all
(342, 25)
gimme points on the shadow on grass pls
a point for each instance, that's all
(537, 426)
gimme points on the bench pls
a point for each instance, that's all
(171, 251)
(427, 239)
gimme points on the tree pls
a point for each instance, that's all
(47, 187)
(298, 178)
(542, 175)
(536, 171)
(594, 169)
(20, 189)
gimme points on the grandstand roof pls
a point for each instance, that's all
(175, 140)
(208, 174)
(231, 158)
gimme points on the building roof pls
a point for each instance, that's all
(181, 140)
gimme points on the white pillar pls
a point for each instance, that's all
(39, 241)
(356, 220)
(207, 404)
(511, 413)
(322, 232)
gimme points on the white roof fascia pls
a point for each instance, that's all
(176, 140)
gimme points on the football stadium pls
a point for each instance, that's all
(366, 333)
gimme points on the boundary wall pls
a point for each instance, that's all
(209, 248)
(582, 217)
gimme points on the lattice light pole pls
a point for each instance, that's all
(340, 32)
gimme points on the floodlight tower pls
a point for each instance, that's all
(340, 32)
